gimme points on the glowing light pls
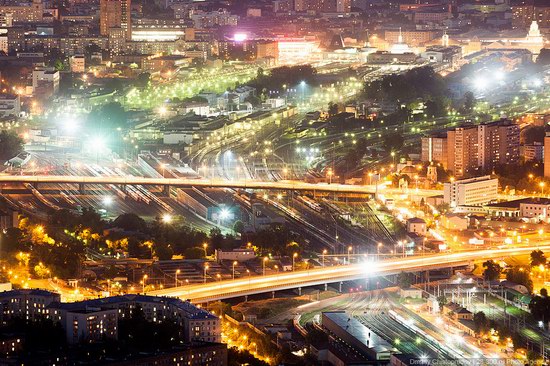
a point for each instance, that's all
(167, 218)
(224, 214)
(240, 37)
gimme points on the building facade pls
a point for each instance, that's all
(470, 192)
(434, 149)
(462, 150)
(498, 143)
(115, 14)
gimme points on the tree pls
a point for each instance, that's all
(540, 306)
(481, 323)
(10, 145)
(143, 79)
(437, 106)
(469, 102)
(163, 252)
(238, 227)
(520, 276)
(537, 258)
(404, 280)
(492, 270)
(442, 301)
(194, 253)
(393, 141)
(543, 58)
(254, 100)
(130, 222)
(332, 109)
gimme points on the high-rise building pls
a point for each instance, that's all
(25, 12)
(462, 150)
(498, 143)
(300, 5)
(343, 6)
(469, 149)
(115, 14)
(434, 149)
(523, 15)
(547, 155)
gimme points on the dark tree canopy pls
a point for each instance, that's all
(291, 76)
(492, 270)
(130, 222)
(421, 82)
(520, 276)
(10, 145)
(543, 58)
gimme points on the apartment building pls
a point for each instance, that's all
(470, 192)
(462, 150)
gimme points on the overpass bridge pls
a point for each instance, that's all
(294, 185)
(291, 280)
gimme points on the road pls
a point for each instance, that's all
(288, 280)
(202, 182)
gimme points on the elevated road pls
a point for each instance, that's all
(202, 182)
(290, 280)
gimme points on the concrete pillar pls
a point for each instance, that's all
(81, 188)
(166, 191)
(326, 286)
(245, 298)
(340, 286)
(299, 291)
(272, 294)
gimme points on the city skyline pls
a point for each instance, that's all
(297, 182)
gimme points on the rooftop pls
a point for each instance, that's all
(191, 310)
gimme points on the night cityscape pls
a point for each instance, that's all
(275, 182)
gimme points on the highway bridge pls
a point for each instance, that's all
(81, 181)
(291, 280)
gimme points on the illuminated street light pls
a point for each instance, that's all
(107, 200)
(143, 283)
(234, 264)
(294, 256)
(177, 273)
(167, 218)
(323, 256)
(205, 271)
(204, 246)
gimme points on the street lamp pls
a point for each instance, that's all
(542, 184)
(205, 245)
(143, 283)
(205, 270)
(177, 273)
(380, 245)
(264, 261)
(350, 248)
(323, 256)
(234, 264)
(167, 218)
(293, 259)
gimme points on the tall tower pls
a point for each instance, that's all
(445, 39)
(115, 14)
(547, 155)
(343, 6)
